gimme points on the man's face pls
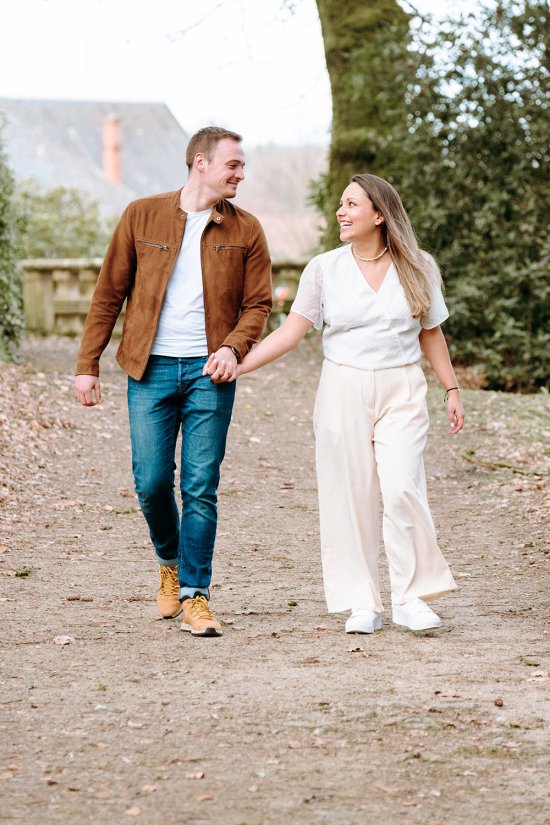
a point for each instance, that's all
(223, 173)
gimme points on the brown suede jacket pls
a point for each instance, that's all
(236, 273)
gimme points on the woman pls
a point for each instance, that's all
(379, 299)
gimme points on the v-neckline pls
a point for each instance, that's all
(365, 281)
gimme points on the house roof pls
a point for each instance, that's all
(60, 143)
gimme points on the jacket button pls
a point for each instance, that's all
(218, 219)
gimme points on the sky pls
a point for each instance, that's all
(249, 65)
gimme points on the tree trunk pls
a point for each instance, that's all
(367, 61)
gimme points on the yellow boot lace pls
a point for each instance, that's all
(169, 585)
(197, 608)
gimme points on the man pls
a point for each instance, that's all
(196, 275)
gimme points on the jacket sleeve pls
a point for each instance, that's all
(257, 298)
(113, 284)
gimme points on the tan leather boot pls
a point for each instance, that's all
(197, 618)
(168, 593)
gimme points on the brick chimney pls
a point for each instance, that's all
(111, 148)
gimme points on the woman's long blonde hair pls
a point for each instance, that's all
(414, 267)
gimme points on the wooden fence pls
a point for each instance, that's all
(57, 293)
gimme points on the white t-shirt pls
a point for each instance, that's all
(181, 329)
(364, 328)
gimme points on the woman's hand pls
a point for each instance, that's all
(455, 411)
(435, 349)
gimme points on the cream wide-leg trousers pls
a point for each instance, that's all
(370, 430)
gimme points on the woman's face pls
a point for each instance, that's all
(358, 219)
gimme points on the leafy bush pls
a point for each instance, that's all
(58, 223)
(11, 300)
(481, 201)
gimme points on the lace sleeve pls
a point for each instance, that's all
(308, 301)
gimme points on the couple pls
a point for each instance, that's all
(195, 272)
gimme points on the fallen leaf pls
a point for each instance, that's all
(195, 775)
(356, 649)
(203, 797)
(148, 788)
(133, 811)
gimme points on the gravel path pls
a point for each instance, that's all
(110, 714)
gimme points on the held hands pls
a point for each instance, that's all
(87, 390)
(222, 366)
(455, 412)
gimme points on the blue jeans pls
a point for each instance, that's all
(173, 393)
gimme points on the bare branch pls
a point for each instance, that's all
(182, 32)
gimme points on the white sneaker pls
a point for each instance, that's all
(363, 621)
(416, 615)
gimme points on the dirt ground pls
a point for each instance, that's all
(110, 714)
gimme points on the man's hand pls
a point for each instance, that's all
(221, 366)
(87, 390)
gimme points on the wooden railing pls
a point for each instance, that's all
(57, 293)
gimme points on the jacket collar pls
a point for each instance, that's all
(217, 214)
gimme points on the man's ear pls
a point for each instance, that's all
(199, 160)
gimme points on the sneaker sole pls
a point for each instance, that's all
(434, 626)
(208, 633)
(362, 632)
(376, 626)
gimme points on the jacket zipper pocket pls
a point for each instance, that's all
(217, 248)
(152, 243)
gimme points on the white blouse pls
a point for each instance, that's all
(364, 328)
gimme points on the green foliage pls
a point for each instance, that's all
(470, 170)
(58, 223)
(11, 299)
(483, 121)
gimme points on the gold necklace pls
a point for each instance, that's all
(357, 255)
